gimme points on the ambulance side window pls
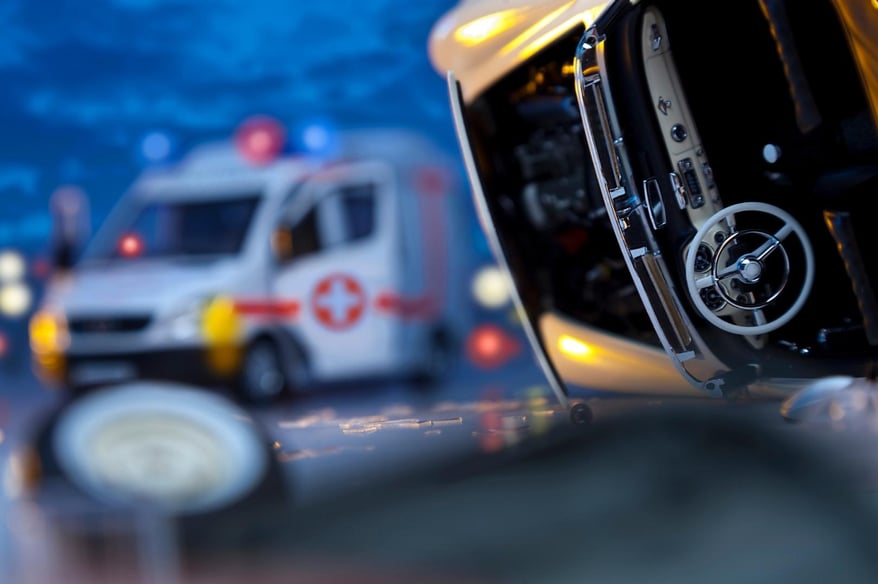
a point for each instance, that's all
(306, 235)
(358, 210)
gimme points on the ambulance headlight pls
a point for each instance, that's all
(183, 323)
(49, 339)
(48, 332)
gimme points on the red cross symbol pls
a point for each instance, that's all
(338, 301)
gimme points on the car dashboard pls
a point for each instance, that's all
(738, 170)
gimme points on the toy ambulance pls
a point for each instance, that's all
(271, 277)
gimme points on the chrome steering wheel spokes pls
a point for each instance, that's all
(750, 271)
(755, 281)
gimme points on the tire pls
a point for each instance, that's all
(263, 377)
(143, 422)
(438, 361)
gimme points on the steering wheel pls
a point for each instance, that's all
(749, 269)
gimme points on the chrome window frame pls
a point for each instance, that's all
(629, 216)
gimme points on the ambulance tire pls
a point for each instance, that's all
(263, 378)
(438, 362)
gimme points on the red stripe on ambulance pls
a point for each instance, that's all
(285, 309)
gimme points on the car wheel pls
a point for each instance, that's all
(263, 378)
(177, 448)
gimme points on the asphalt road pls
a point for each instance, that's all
(346, 455)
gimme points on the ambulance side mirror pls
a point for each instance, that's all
(282, 244)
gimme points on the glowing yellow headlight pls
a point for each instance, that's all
(48, 333)
(49, 339)
(221, 329)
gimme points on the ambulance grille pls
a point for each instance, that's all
(103, 324)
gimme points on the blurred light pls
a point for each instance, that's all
(547, 38)
(522, 38)
(48, 333)
(488, 346)
(528, 44)
(156, 146)
(489, 287)
(316, 138)
(15, 299)
(539, 422)
(48, 341)
(574, 347)
(260, 139)
(486, 27)
(220, 323)
(12, 266)
(491, 425)
(4, 345)
(221, 328)
(130, 245)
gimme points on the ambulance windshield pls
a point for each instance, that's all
(177, 228)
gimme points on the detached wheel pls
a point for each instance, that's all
(179, 449)
(263, 378)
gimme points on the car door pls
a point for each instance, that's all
(342, 259)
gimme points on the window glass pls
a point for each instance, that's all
(358, 210)
(306, 235)
(182, 228)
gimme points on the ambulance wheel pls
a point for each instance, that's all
(262, 379)
(438, 360)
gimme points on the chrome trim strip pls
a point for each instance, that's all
(481, 204)
(608, 153)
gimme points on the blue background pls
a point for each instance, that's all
(83, 82)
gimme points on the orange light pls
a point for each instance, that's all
(48, 341)
(48, 333)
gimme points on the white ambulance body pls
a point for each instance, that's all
(273, 277)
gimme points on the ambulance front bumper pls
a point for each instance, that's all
(196, 366)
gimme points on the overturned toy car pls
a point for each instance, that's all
(670, 178)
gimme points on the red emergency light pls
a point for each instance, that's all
(130, 245)
(260, 139)
(489, 346)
